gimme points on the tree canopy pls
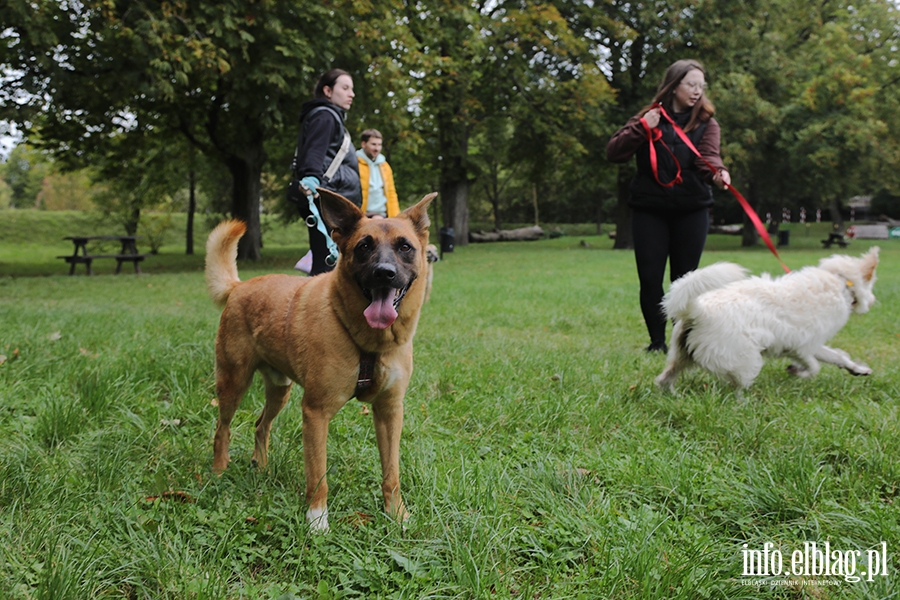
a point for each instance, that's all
(505, 107)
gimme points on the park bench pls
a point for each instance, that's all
(128, 252)
(835, 238)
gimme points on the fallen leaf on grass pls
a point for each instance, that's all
(56, 335)
(4, 358)
(170, 422)
(365, 410)
(358, 519)
(214, 402)
(86, 352)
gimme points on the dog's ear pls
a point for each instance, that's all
(339, 213)
(870, 261)
(418, 214)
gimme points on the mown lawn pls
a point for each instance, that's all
(538, 459)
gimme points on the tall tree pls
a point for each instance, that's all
(480, 61)
(224, 75)
(804, 91)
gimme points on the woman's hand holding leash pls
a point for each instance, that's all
(722, 178)
(652, 117)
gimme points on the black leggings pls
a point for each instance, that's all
(676, 236)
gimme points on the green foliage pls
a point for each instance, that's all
(154, 228)
(223, 77)
(886, 203)
(31, 178)
(5, 195)
(23, 173)
(493, 104)
(813, 90)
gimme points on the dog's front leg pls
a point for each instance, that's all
(317, 414)
(387, 413)
(836, 356)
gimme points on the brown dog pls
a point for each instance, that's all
(341, 334)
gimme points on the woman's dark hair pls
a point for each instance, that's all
(703, 109)
(328, 79)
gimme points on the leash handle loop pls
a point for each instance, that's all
(315, 220)
(653, 135)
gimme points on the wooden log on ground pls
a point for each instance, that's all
(523, 234)
(727, 229)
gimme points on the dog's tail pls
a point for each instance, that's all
(221, 259)
(685, 290)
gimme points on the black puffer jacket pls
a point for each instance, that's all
(321, 135)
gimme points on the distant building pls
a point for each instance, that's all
(859, 207)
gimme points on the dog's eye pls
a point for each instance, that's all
(404, 248)
(364, 245)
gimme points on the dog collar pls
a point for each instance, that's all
(366, 377)
(848, 285)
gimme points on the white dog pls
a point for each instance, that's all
(726, 322)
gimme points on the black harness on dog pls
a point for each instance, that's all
(366, 377)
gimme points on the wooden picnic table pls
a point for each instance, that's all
(128, 252)
(835, 238)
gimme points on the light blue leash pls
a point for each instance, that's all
(315, 220)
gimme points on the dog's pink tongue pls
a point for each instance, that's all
(381, 313)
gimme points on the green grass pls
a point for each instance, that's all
(538, 459)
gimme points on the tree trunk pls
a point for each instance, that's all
(192, 208)
(836, 217)
(495, 207)
(624, 239)
(134, 219)
(493, 191)
(455, 195)
(246, 173)
(453, 137)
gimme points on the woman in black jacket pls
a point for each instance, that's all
(670, 203)
(325, 157)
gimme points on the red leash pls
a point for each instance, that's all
(655, 134)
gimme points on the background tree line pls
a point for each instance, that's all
(504, 107)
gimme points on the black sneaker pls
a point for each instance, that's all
(658, 347)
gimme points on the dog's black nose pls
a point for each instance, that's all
(385, 272)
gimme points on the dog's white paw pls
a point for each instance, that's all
(317, 519)
(860, 369)
(665, 382)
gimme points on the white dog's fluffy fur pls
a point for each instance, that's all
(726, 322)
